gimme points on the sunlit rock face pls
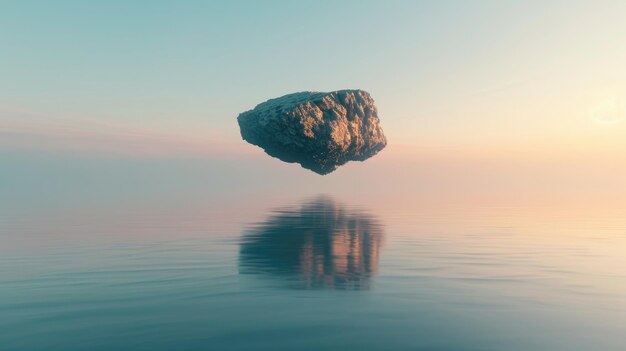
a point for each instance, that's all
(320, 131)
(320, 244)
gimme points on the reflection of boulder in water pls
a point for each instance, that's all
(319, 245)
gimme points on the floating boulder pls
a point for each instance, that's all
(320, 131)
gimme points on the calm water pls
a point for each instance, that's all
(152, 269)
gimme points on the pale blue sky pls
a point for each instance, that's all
(443, 73)
(531, 84)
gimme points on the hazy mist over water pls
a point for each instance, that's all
(185, 254)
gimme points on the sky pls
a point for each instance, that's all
(533, 79)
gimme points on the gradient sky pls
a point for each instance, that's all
(499, 102)
(447, 76)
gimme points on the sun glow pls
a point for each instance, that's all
(609, 111)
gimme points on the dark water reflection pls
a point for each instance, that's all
(318, 244)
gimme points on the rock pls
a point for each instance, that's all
(320, 131)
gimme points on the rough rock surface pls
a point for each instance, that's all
(320, 131)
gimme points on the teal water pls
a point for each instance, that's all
(148, 267)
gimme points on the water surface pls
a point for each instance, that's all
(151, 269)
